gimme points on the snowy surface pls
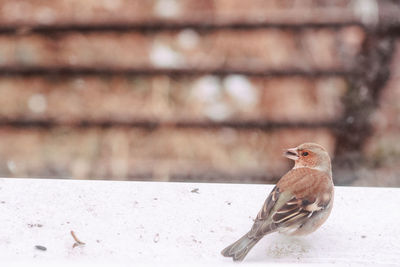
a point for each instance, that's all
(181, 224)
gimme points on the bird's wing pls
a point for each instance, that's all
(296, 197)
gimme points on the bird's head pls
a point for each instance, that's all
(310, 155)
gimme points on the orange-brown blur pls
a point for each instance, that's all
(197, 90)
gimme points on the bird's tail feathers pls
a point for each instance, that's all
(240, 248)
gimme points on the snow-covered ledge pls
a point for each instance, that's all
(154, 223)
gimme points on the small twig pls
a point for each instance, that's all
(30, 225)
(196, 190)
(77, 241)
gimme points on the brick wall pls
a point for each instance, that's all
(155, 91)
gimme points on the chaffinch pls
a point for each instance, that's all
(299, 203)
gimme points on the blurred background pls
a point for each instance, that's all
(198, 90)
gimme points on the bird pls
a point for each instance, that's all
(299, 204)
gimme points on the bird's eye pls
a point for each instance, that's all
(304, 154)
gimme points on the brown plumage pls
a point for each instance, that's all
(299, 203)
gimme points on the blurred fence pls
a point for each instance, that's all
(197, 90)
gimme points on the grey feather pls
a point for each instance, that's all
(240, 248)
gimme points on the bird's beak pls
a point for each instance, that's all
(291, 153)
